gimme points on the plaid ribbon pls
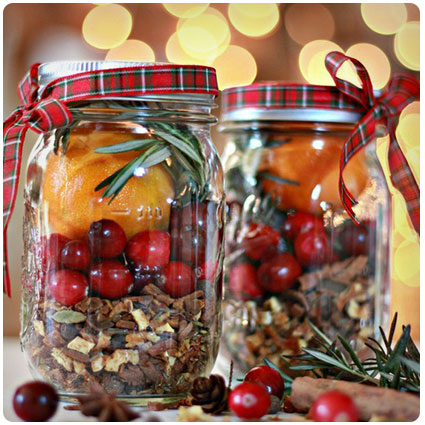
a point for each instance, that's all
(44, 110)
(402, 90)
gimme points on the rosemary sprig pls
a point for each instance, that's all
(396, 367)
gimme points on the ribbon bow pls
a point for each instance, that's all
(402, 90)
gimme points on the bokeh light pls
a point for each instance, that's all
(175, 53)
(411, 108)
(414, 160)
(107, 26)
(229, 75)
(384, 18)
(185, 10)
(306, 22)
(254, 19)
(406, 45)
(408, 131)
(311, 61)
(132, 50)
(374, 60)
(204, 37)
(406, 263)
(403, 228)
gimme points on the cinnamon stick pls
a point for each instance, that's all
(370, 401)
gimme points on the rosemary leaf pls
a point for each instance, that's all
(352, 354)
(328, 359)
(412, 365)
(277, 179)
(319, 333)
(399, 350)
(130, 145)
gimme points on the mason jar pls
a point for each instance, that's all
(293, 254)
(123, 234)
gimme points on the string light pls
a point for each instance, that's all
(132, 50)
(309, 21)
(229, 75)
(185, 10)
(254, 19)
(406, 45)
(107, 26)
(384, 18)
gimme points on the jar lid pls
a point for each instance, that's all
(278, 101)
(155, 78)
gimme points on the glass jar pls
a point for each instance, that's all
(123, 231)
(293, 255)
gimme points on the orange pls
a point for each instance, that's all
(315, 169)
(69, 199)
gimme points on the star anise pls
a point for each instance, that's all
(210, 393)
(105, 407)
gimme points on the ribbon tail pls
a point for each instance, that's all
(6, 275)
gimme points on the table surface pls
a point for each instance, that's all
(16, 372)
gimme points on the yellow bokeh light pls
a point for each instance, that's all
(312, 61)
(401, 221)
(254, 19)
(414, 160)
(309, 21)
(175, 53)
(132, 50)
(406, 45)
(204, 37)
(384, 18)
(408, 130)
(107, 26)
(374, 60)
(411, 108)
(406, 263)
(185, 10)
(229, 75)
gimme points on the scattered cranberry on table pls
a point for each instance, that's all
(300, 222)
(68, 287)
(75, 255)
(35, 401)
(149, 248)
(311, 248)
(260, 241)
(243, 281)
(106, 239)
(279, 273)
(111, 279)
(269, 378)
(249, 401)
(179, 279)
(334, 406)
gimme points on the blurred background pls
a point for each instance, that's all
(245, 43)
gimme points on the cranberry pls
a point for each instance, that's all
(149, 248)
(249, 401)
(144, 275)
(111, 279)
(208, 271)
(334, 406)
(106, 239)
(260, 241)
(279, 273)
(269, 378)
(75, 255)
(311, 248)
(179, 279)
(243, 281)
(355, 239)
(190, 245)
(300, 222)
(68, 287)
(51, 248)
(35, 401)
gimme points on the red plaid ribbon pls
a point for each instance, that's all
(46, 110)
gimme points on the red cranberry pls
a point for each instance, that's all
(355, 239)
(243, 281)
(300, 222)
(179, 279)
(260, 241)
(51, 248)
(76, 255)
(144, 275)
(311, 248)
(249, 401)
(269, 378)
(279, 273)
(334, 406)
(149, 248)
(35, 401)
(106, 239)
(208, 271)
(111, 279)
(68, 287)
